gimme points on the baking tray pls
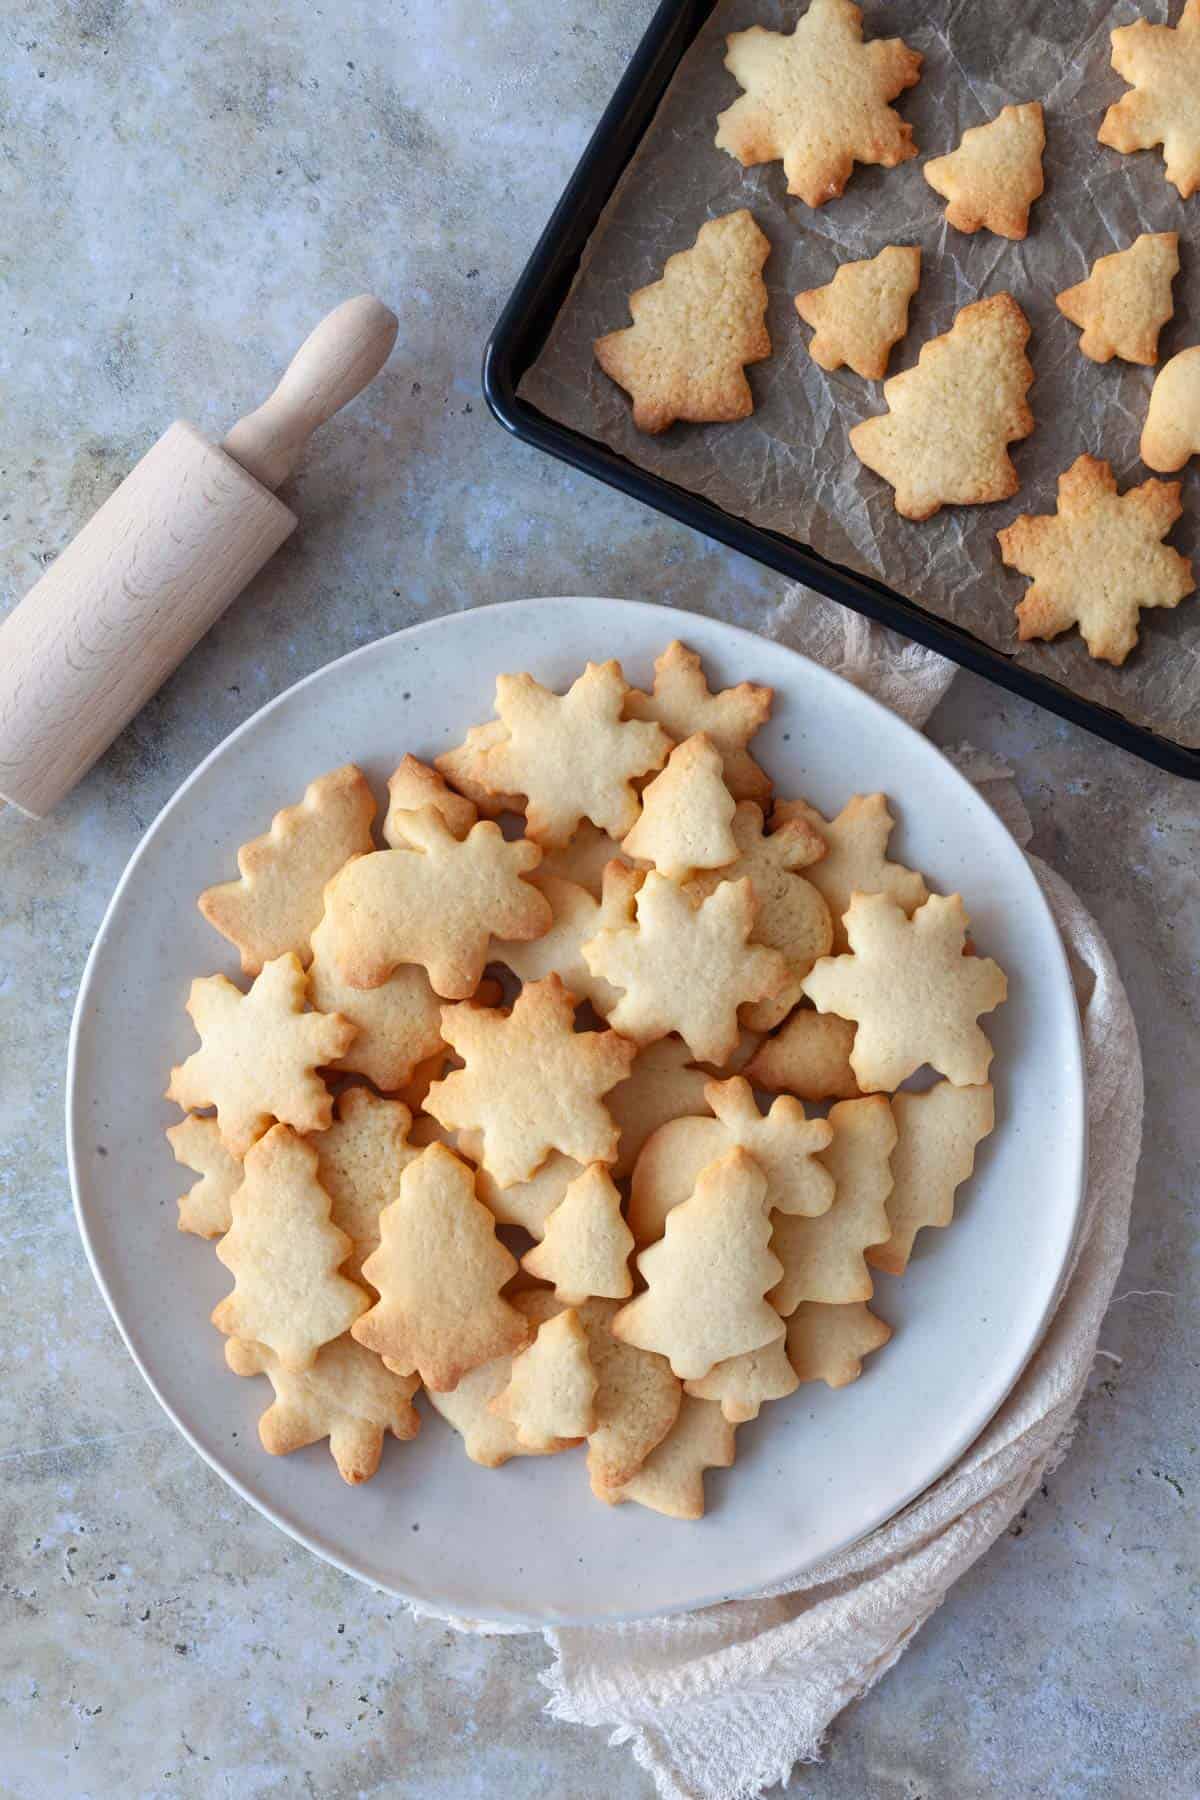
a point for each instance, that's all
(524, 325)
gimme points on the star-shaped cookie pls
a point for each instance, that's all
(532, 1083)
(574, 756)
(658, 960)
(1162, 66)
(1098, 559)
(792, 917)
(818, 99)
(258, 1054)
(683, 704)
(912, 992)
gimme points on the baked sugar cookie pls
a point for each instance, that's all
(859, 316)
(995, 175)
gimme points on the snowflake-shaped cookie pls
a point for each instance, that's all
(818, 99)
(1163, 68)
(1097, 560)
(574, 756)
(683, 705)
(258, 1054)
(532, 1083)
(913, 993)
(686, 965)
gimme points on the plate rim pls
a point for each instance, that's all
(505, 1618)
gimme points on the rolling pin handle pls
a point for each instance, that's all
(333, 364)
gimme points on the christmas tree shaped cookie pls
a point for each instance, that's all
(551, 1392)
(204, 1209)
(586, 1246)
(859, 315)
(1126, 300)
(828, 1343)
(741, 1385)
(346, 1396)
(436, 903)
(995, 175)
(438, 1272)
(532, 1083)
(818, 99)
(707, 1278)
(258, 1054)
(944, 440)
(277, 903)
(937, 1136)
(912, 992)
(1095, 528)
(695, 330)
(671, 1480)
(683, 705)
(824, 1259)
(687, 811)
(1162, 66)
(284, 1255)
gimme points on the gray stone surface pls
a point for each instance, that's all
(186, 188)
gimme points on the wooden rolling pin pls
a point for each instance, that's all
(160, 562)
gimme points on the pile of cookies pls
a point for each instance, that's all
(943, 440)
(519, 1116)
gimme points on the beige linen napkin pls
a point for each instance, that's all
(721, 1703)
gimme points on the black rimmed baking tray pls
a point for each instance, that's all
(526, 321)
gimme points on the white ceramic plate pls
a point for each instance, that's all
(528, 1543)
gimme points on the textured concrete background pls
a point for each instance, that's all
(186, 188)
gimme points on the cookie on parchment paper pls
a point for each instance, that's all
(944, 440)
(1162, 66)
(859, 316)
(1098, 559)
(695, 330)
(995, 175)
(1171, 433)
(1126, 300)
(817, 99)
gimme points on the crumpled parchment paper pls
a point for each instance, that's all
(790, 467)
